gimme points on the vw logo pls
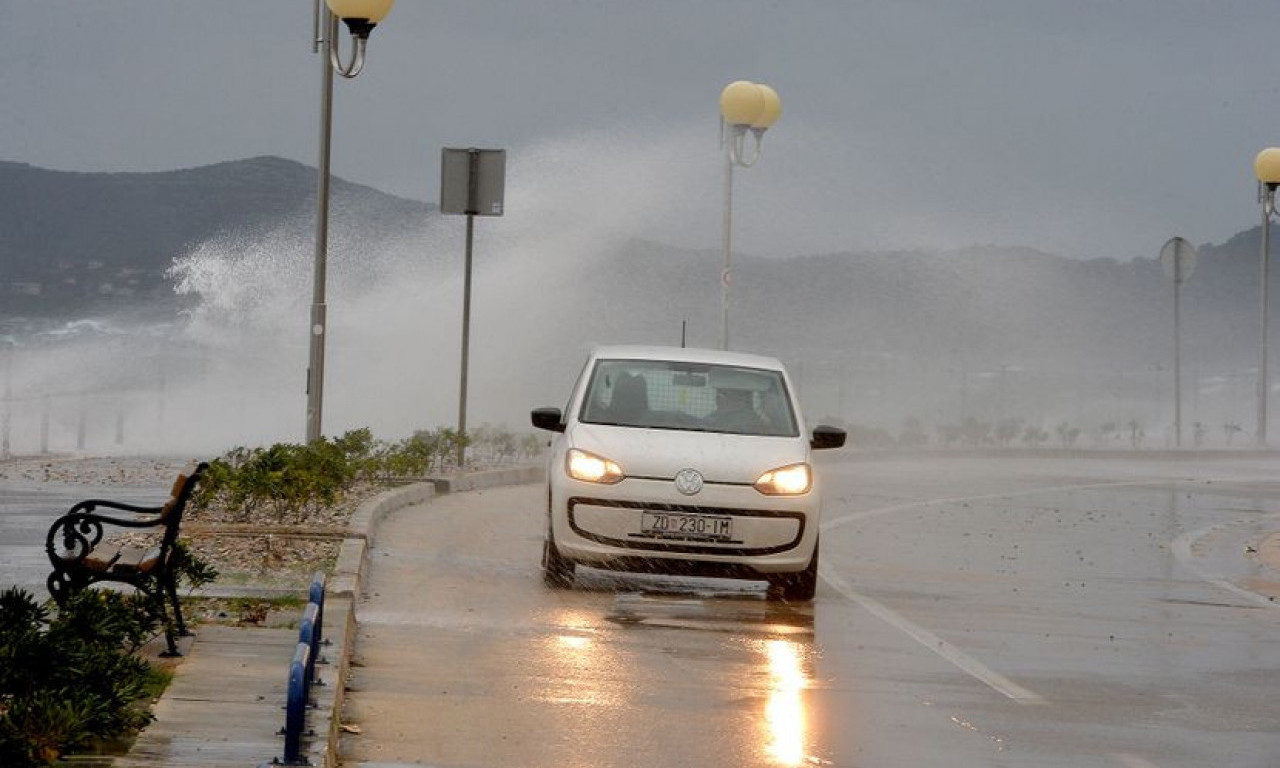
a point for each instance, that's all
(688, 481)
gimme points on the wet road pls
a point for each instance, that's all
(27, 509)
(972, 612)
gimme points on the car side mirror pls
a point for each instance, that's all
(827, 437)
(548, 418)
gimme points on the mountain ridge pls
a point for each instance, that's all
(71, 239)
(980, 302)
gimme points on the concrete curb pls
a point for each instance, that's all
(353, 555)
(348, 574)
(490, 478)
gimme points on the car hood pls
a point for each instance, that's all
(661, 453)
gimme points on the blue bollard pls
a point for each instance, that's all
(315, 592)
(295, 709)
(309, 634)
(316, 595)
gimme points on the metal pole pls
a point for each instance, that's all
(726, 273)
(1195, 397)
(1262, 355)
(8, 401)
(473, 205)
(1177, 347)
(82, 424)
(466, 346)
(44, 424)
(161, 385)
(1004, 372)
(317, 330)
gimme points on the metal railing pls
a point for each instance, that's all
(302, 676)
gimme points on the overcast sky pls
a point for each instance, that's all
(1081, 127)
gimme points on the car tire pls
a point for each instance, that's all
(796, 587)
(557, 570)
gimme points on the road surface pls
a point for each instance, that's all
(972, 612)
(28, 508)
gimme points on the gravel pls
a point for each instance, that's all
(255, 556)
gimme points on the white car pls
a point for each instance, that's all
(686, 461)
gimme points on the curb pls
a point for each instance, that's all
(349, 573)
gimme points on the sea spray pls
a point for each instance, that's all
(230, 369)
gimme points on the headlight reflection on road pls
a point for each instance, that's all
(573, 661)
(784, 713)
(573, 642)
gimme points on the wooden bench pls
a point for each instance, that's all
(81, 557)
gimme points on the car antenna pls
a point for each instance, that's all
(684, 324)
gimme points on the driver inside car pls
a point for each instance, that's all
(735, 411)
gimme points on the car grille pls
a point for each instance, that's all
(686, 547)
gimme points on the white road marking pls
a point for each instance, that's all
(946, 650)
(951, 653)
(855, 516)
(1182, 552)
(1181, 548)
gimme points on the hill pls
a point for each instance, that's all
(104, 240)
(872, 338)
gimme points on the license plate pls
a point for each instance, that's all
(673, 525)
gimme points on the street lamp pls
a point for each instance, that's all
(1267, 168)
(743, 106)
(1178, 259)
(360, 16)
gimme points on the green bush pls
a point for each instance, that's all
(287, 482)
(192, 571)
(69, 678)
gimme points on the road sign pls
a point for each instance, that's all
(1178, 258)
(472, 181)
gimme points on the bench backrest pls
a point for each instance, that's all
(171, 513)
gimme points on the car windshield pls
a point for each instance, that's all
(666, 394)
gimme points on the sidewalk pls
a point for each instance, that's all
(225, 707)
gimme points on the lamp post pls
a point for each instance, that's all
(743, 106)
(1178, 259)
(1267, 168)
(360, 16)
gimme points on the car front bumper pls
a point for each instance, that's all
(753, 533)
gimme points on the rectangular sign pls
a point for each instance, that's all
(472, 181)
(670, 525)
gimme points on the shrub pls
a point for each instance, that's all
(192, 571)
(286, 481)
(71, 677)
(531, 445)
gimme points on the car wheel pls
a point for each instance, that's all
(796, 587)
(557, 570)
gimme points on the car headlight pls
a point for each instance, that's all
(793, 480)
(591, 468)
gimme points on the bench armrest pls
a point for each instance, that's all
(74, 535)
(89, 505)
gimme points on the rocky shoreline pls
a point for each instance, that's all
(124, 471)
